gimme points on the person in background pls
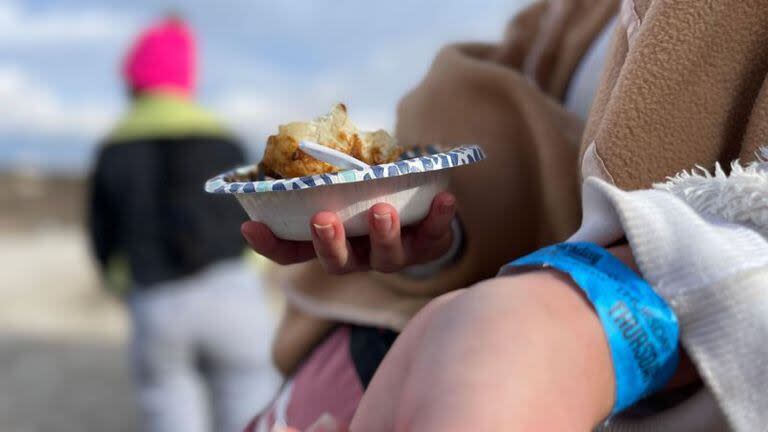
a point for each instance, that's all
(199, 315)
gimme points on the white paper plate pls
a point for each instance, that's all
(286, 205)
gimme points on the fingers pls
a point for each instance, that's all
(386, 250)
(433, 235)
(387, 254)
(438, 222)
(331, 246)
(264, 242)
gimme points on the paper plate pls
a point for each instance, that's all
(286, 205)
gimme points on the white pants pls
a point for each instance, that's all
(203, 342)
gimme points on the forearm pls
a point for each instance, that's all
(543, 338)
(513, 353)
(523, 352)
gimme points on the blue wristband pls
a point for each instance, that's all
(641, 329)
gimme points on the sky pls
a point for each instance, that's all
(262, 63)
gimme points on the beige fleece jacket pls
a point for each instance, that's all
(685, 85)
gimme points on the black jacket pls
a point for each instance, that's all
(147, 203)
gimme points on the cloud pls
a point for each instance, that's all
(255, 112)
(371, 88)
(30, 107)
(371, 78)
(56, 27)
(264, 62)
(41, 130)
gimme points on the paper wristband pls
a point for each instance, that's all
(641, 329)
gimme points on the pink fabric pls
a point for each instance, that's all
(163, 57)
(326, 384)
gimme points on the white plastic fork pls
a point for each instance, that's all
(331, 156)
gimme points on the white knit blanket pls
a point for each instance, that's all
(700, 241)
(741, 197)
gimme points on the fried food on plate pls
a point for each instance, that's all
(282, 157)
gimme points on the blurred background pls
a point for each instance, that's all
(63, 363)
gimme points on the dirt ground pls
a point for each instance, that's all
(63, 386)
(63, 364)
(63, 357)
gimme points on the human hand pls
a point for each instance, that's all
(388, 248)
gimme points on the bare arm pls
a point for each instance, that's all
(514, 353)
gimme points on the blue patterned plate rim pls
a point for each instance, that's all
(408, 165)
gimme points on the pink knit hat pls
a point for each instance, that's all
(163, 57)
